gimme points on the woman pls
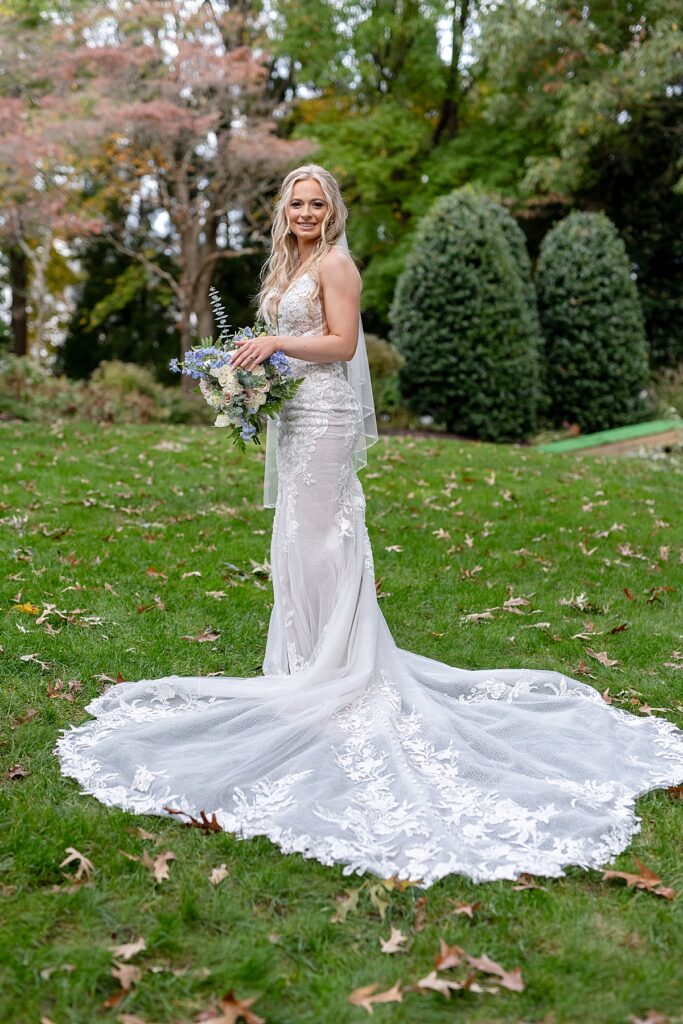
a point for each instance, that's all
(350, 749)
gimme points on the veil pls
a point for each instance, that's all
(357, 372)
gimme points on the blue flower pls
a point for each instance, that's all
(247, 431)
(173, 366)
(279, 361)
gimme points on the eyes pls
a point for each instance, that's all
(317, 203)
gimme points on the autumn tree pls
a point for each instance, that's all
(39, 184)
(183, 97)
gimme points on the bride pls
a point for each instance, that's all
(348, 748)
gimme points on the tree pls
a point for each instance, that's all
(596, 355)
(461, 320)
(184, 99)
(39, 201)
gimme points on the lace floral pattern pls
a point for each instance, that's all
(350, 749)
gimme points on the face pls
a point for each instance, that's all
(306, 210)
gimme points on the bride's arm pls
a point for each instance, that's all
(340, 284)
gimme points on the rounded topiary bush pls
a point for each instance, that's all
(595, 354)
(459, 317)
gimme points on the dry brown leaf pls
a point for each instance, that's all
(511, 980)
(437, 984)
(127, 975)
(128, 949)
(27, 716)
(206, 636)
(158, 867)
(231, 1010)
(17, 771)
(345, 905)
(394, 942)
(85, 866)
(651, 1017)
(420, 913)
(367, 996)
(448, 956)
(602, 657)
(218, 874)
(204, 823)
(647, 879)
(466, 908)
(130, 1018)
(526, 881)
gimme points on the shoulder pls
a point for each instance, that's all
(337, 267)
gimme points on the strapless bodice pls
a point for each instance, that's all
(299, 313)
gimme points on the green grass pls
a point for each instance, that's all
(87, 510)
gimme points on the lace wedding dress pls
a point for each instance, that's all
(351, 749)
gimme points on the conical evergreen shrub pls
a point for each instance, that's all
(596, 353)
(459, 317)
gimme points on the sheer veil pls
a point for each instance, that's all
(357, 371)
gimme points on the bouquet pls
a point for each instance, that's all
(242, 398)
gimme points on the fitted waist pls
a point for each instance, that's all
(302, 368)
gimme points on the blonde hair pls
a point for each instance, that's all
(284, 262)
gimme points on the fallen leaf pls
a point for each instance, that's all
(647, 879)
(448, 956)
(127, 975)
(511, 980)
(602, 657)
(526, 881)
(476, 616)
(466, 908)
(367, 996)
(394, 943)
(437, 984)
(232, 1010)
(202, 822)
(346, 904)
(128, 949)
(218, 874)
(205, 636)
(158, 867)
(85, 866)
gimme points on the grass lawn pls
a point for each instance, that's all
(122, 545)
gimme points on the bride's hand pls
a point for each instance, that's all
(252, 351)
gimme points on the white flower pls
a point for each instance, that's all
(227, 379)
(255, 398)
(212, 397)
(225, 420)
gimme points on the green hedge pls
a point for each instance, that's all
(460, 316)
(596, 352)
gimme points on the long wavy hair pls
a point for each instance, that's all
(284, 262)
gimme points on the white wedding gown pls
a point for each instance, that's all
(351, 749)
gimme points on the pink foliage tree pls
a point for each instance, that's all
(189, 120)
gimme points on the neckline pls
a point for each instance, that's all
(306, 273)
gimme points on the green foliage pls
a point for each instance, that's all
(116, 393)
(120, 314)
(460, 317)
(595, 347)
(384, 361)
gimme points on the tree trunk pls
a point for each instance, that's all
(449, 118)
(18, 280)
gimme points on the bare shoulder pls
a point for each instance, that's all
(338, 268)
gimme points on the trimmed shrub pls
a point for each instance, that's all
(596, 353)
(460, 318)
(384, 361)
